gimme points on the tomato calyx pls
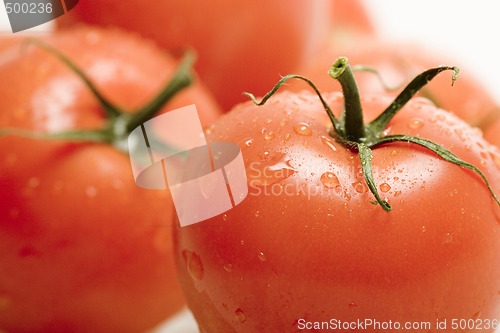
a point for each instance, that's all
(351, 131)
(119, 123)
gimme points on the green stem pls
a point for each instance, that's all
(111, 110)
(181, 79)
(354, 126)
(380, 123)
(119, 124)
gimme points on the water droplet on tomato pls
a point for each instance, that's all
(57, 187)
(423, 228)
(330, 180)
(4, 302)
(359, 187)
(162, 240)
(240, 315)
(33, 182)
(117, 184)
(264, 156)
(353, 305)
(91, 191)
(283, 122)
(447, 239)
(394, 153)
(10, 159)
(384, 187)
(224, 217)
(272, 171)
(193, 264)
(257, 213)
(228, 268)
(328, 142)
(303, 129)
(415, 123)
(269, 135)
(262, 256)
(496, 159)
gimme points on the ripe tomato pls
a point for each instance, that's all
(308, 244)
(398, 63)
(350, 20)
(492, 133)
(82, 248)
(241, 45)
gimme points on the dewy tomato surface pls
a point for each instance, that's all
(310, 243)
(82, 248)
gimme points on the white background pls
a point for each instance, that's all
(470, 30)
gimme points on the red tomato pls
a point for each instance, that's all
(398, 63)
(308, 245)
(242, 45)
(82, 248)
(350, 20)
(492, 133)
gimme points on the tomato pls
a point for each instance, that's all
(397, 63)
(351, 20)
(309, 245)
(236, 41)
(491, 133)
(82, 247)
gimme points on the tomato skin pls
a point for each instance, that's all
(82, 247)
(351, 20)
(295, 253)
(491, 132)
(398, 63)
(241, 45)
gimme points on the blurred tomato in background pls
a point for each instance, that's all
(242, 45)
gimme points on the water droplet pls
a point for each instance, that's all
(448, 238)
(262, 256)
(272, 171)
(359, 186)
(91, 191)
(224, 217)
(496, 159)
(240, 315)
(257, 213)
(328, 142)
(264, 156)
(353, 305)
(394, 153)
(303, 129)
(4, 302)
(247, 143)
(462, 211)
(384, 187)
(228, 268)
(330, 180)
(10, 159)
(397, 193)
(283, 122)
(269, 135)
(162, 240)
(33, 182)
(57, 187)
(193, 264)
(117, 184)
(415, 123)
(423, 228)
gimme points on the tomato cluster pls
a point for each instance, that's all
(366, 200)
